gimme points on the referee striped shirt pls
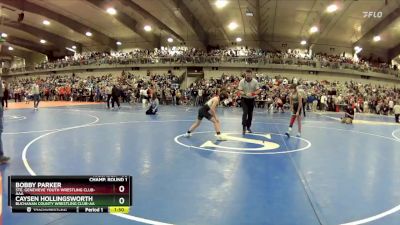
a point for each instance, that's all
(248, 87)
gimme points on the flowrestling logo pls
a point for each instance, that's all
(373, 14)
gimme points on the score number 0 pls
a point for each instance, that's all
(121, 189)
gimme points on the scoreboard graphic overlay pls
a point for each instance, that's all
(75, 194)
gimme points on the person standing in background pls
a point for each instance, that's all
(303, 95)
(195, 95)
(178, 97)
(47, 93)
(116, 93)
(324, 101)
(16, 94)
(173, 94)
(36, 95)
(108, 93)
(68, 92)
(396, 110)
(22, 93)
(3, 158)
(314, 103)
(200, 97)
(6, 95)
(2, 93)
(391, 105)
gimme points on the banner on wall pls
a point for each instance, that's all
(5, 57)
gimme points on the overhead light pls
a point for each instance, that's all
(357, 49)
(303, 42)
(313, 29)
(10, 48)
(170, 40)
(249, 13)
(89, 34)
(119, 43)
(331, 8)
(111, 11)
(4, 35)
(377, 38)
(238, 39)
(46, 22)
(232, 26)
(147, 28)
(70, 49)
(221, 3)
(43, 41)
(73, 47)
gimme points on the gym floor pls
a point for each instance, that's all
(334, 174)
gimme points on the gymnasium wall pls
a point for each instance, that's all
(187, 81)
(17, 62)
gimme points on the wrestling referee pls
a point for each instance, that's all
(249, 89)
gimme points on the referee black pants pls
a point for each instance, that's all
(115, 99)
(248, 106)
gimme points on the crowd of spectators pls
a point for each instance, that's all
(228, 55)
(91, 88)
(318, 95)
